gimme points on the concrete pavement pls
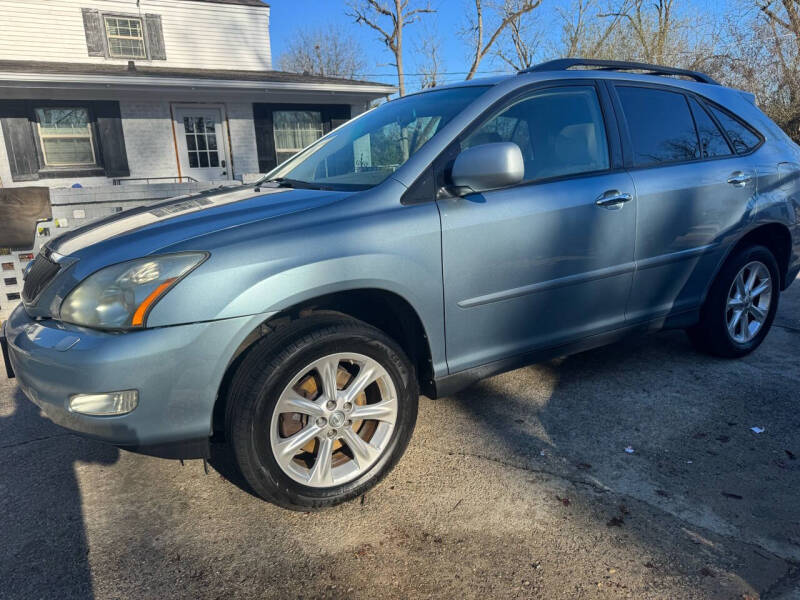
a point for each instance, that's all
(519, 487)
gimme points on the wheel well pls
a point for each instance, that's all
(387, 311)
(777, 238)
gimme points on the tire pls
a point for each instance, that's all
(296, 361)
(712, 334)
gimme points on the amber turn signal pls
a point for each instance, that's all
(141, 311)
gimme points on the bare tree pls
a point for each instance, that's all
(388, 18)
(587, 29)
(574, 29)
(506, 12)
(651, 26)
(783, 15)
(520, 44)
(428, 48)
(656, 33)
(763, 57)
(328, 52)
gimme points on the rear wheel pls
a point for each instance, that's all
(740, 306)
(321, 410)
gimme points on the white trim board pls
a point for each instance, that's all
(14, 79)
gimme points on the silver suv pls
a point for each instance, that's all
(438, 239)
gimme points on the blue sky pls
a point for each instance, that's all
(289, 15)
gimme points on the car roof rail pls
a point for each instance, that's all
(562, 64)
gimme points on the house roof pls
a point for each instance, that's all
(87, 73)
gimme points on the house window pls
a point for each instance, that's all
(65, 135)
(125, 37)
(294, 130)
(201, 141)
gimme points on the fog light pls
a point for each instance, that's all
(104, 405)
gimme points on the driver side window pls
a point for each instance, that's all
(560, 131)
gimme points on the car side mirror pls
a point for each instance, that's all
(488, 167)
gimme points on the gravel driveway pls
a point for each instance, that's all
(519, 487)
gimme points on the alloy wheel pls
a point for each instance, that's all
(334, 420)
(748, 302)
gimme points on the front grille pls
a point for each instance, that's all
(39, 275)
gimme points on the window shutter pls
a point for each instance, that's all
(334, 115)
(111, 139)
(155, 37)
(93, 28)
(265, 142)
(20, 142)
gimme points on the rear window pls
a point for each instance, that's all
(741, 136)
(660, 124)
(712, 142)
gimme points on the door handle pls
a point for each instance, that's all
(739, 179)
(613, 199)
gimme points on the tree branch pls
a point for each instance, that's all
(526, 7)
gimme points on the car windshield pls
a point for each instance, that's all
(366, 151)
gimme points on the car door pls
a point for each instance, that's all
(550, 260)
(692, 192)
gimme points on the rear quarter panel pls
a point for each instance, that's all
(776, 166)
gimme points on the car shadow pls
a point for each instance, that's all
(45, 547)
(652, 420)
(223, 461)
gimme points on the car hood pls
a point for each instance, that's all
(178, 224)
(150, 228)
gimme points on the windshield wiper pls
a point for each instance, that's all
(280, 181)
(290, 183)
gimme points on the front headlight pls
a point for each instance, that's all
(121, 296)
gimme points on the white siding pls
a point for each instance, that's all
(148, 138)
(203, 35)
(243, 138)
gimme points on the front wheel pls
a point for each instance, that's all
(321, 411)
(740, 306)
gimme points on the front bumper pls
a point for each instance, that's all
(177, 371)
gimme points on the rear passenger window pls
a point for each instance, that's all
(560, 131)
(660, 125)
(712, 142)
(743, 139)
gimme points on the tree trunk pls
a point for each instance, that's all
(479, 44)
(398, 49)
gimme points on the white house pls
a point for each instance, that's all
(98, 90)
(131, 100)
